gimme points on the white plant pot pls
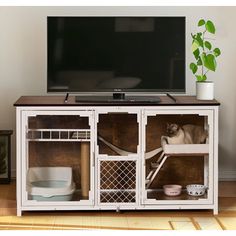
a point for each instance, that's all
(205, 90)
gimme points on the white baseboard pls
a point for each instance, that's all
(227, 175)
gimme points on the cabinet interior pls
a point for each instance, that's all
(54, 152)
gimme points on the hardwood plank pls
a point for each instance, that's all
(208, 223)
(202, 219)
(227, 204)
(228, 223)
(160, 223)
(183, 225)
(227, 189)
(140, 223)
(43, 221)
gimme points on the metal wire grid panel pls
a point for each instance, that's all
(118, 197)
(58, 135)
(117, 181)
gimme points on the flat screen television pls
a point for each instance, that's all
(107, 54)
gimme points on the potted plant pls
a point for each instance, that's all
(205, 59)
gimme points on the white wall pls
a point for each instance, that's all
(23, 61)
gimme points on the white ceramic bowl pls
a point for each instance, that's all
(172, 189)
(196, 189)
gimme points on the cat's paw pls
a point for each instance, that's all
(164, 140)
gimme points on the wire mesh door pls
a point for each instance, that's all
(117, 182)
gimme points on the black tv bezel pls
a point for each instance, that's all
(110, 91)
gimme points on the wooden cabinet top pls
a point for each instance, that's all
(59, 101)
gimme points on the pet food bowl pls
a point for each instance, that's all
(196, 189)
(172, 189)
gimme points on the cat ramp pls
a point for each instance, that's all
(172, 150)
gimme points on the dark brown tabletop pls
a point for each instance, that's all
(59, 101)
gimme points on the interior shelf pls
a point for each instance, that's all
(185, 149)
(160, 195)
(63, 135)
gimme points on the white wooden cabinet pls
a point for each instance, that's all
(52, 134)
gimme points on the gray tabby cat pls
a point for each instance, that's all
(186, 134)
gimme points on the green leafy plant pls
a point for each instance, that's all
(203, 51)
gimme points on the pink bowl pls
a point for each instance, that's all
(172, 189)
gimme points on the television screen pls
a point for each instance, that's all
(105, 54)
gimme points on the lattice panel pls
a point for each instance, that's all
(117, 175)
(117, 181)
(118, 196)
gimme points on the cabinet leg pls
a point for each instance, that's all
(215, 210)
(19, 212)
(85, 170)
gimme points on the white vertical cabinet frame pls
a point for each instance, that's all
(19, 146)
(135, 157)
(23, 203)
(141, 201)
(210, 161)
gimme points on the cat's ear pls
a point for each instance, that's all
(177, 126)
(167, 125)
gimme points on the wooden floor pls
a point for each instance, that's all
(158, 220)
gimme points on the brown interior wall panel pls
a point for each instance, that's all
(176, 170)
(51, 154)
(119, 129)
(122, 131)
(58, 122)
